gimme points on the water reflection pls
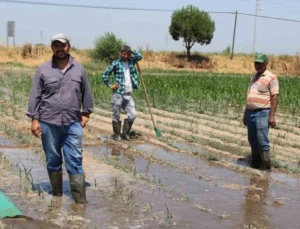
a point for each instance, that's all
(255, 213)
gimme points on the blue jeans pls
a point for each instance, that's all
(68, 138)
(258, 129)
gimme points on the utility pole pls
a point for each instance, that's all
(233, 40)
(257, 8)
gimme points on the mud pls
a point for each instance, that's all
(219, 193)
(207, 197)
(26, 223)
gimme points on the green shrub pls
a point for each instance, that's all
(107, 47)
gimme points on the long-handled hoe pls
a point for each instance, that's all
(157, 131)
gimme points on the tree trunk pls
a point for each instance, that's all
(188, 53)
(188, 45)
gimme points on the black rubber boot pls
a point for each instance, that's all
(56, 183)
(77, 184)
(256, 159)
(117, 131)
(126, 129)
(265, 160)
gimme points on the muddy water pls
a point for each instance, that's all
(5, 142)
(99, 211)
(198, 150)
(197, 200)
(218, 191)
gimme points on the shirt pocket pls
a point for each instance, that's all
(76, 84)
(51, 86)
(263, 119)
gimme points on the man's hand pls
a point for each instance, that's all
(115, 86)
(272, 121)
(84, 119)
(36, 128)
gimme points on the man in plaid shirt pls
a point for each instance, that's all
(125, 80)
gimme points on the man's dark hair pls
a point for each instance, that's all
(126, 48)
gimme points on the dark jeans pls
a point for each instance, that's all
(258, 129)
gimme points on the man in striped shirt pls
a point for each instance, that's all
(260, 111)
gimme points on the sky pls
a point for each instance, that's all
(143, 29)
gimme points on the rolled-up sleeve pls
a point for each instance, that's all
(137, 56)
(35, 96)
(87, 98)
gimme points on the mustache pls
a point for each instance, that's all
(58, 51)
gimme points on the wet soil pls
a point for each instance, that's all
(190, 193)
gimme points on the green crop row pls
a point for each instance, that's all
(197, 92)
(202, 92)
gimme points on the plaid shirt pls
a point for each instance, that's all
(119, 76)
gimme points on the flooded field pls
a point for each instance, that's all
(127, 190)
(196, 176)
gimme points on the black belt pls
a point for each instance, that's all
(128, 93)
(260, 109)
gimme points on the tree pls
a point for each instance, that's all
(107, 47)
(193, 25)
(227, 50)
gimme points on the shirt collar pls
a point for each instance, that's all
(266, 72)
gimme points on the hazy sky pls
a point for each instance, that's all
(150, 29)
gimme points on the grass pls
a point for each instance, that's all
(276, 164)
(211, 157)
(219, 61)
(13, 132)
(16, 64)
(124, 164)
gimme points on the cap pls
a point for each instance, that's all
(260, 58)
(60, 37)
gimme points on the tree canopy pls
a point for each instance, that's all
(193, 25)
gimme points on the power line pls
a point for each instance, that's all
(134, 9)
(267, 17)
(99, 7)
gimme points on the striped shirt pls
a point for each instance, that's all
(261, 90)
